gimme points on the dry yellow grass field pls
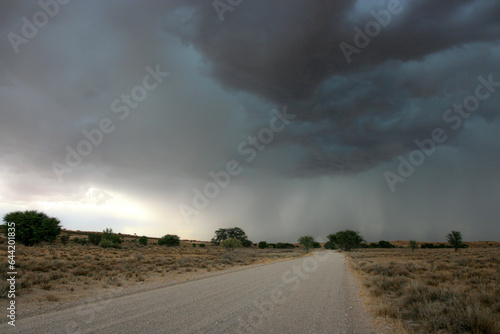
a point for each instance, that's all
(51, 275)
(433, 290)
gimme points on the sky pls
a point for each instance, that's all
(285, 118)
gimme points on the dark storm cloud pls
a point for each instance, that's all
(322, 173)
(288, 52)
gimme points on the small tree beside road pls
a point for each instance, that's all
(307, 242)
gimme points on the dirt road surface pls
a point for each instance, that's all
(312, 294)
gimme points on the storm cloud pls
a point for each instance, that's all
(357, 116)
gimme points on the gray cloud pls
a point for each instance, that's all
(322, 173)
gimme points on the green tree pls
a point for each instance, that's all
(413, 245)
(143, 240)
(263, 245)
(231, 243)
(234, 233)
(32, 227)
(347, 240)
(455, 239)
(330, 245)
(307, 242)
(169, 240)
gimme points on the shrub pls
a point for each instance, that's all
(413, 245)
(202, 245)
(194, 245)
(106, 243)
(32, 227)
(169, 240)
(385, 244)
(143, 240)
(282, 245)
(64, 239)
(81, 241)
(109, 235)
(263, 245)
(94, 238)
(231, 244)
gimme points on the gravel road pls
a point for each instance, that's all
(313, 294)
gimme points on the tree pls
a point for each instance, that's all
(169, 240)
(32, 227)
(413, 245)
(455, 239)
(263, 245)
(143, 240)
(231, 244)
(330, 245)
(307, 241)
(234, 233)
(346, 240)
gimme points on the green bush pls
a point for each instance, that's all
(81, 241)
(106, 243)
(282, 245)
(169, 240)
(194, 245)
(64, 239)
(143, 240)
(263, 245)
(202, 245)
(385, 244)
(32, 227)
(94, 238)
(231, 244)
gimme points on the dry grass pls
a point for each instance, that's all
(433, 290)
(61, 273)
